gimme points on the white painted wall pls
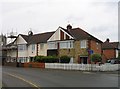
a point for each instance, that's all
(55, 36)
(42, 50)
(117, 53)
(32, 53)
(20, 40)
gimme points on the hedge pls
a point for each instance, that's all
(46, 59)
(64, 59)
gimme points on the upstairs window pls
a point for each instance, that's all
(33, 46)
(52, 45)
(97, 44)
(22, 47)
(83, 44)
(66, 44)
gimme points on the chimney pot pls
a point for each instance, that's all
(69, 27)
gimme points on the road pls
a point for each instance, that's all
(34, 77)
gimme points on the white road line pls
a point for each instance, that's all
(34, 85)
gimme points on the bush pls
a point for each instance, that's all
(96, 58)
(64, 59)
(50, 59)
(38, 58)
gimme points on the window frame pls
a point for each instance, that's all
(83, 43)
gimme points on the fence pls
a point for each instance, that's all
(83, 67)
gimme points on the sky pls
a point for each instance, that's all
(97, 17)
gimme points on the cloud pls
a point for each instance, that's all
(96, 17)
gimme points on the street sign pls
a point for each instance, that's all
(90, 51)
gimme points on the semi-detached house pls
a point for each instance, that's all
(73, 42)
(25, 47)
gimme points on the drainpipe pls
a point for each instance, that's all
(58, 47)
(37, 49)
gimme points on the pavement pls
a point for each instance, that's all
(42, 78)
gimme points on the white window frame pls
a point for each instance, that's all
(33, 47)
(83, 44)
(22, 47)
(66, 44)
(52, 45)
(97, 45)
(22, 59)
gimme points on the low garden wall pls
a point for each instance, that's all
(34, 65)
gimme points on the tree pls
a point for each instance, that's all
(96, 58)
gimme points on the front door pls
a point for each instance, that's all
(83, 60)
(31, 59)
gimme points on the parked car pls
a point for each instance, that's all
(113, 61)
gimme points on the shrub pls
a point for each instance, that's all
(96, 58)
(64, 59)
(50, 59)
(38, 58)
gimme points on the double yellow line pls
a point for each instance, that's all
(34, 85)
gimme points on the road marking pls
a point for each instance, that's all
(88, 73)
(34, 85)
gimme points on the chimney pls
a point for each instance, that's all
(30, 33)
(108, 40)
(69, 27)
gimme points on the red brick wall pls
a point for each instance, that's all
(110, 53)
(61, 35)
(96, 48)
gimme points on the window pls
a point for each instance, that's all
(66, 44)
(33, 46)
(22, 47)
(22, 59)
(52, 45)
(97, 44)
(83, 44)
(41, 46)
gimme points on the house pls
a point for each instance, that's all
(110, 50)
(74, 42)
(25, 47)
(3, 53)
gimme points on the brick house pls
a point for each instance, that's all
(73, 42)
(110, 50)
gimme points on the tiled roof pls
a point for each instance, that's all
(78, 34)
(40, 38)
(110, 45)
(25, 37)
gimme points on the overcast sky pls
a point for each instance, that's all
(97, 17)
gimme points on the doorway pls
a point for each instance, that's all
(83, 59)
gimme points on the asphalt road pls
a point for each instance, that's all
(34, 77)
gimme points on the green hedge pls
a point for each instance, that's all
(50, 59)
(64, 59)
(46, 59)
(38, 59)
